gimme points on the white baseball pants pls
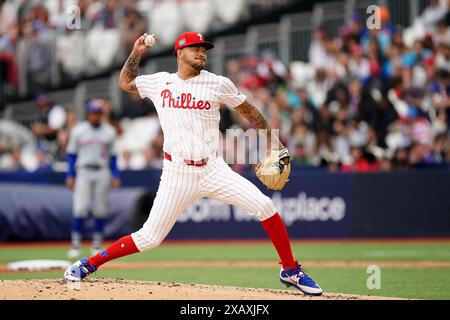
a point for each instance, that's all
(180, 185)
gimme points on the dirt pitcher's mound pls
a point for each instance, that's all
(113, 289)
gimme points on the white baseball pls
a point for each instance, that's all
(149, 40)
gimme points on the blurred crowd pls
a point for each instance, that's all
(366, 100)
(48, 43)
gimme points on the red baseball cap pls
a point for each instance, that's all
(191, 38)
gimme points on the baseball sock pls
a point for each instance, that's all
(97, 236)
(77, 232)
(122, 247)
(277, 232)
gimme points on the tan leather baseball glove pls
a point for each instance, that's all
(275, 169)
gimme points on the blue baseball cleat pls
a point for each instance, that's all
(298, 278)
(79, 270)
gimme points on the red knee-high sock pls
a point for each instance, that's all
(277, 232)
(122, 247)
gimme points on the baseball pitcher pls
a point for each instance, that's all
(188, 103)
(92, 160)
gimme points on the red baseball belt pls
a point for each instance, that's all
(197, 163)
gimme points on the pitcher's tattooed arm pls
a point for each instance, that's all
(252, 114)
(130, 69)
(129, 72)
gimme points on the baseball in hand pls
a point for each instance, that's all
(149, 40)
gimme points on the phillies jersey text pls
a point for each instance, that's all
(188, 110)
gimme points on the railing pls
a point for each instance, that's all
(227, 48)
(296, 34)
(288, 40)
(330, 16)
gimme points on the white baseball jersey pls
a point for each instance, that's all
(189, 114)
(93, 146)
(188, 110)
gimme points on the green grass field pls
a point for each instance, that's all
(416, 282)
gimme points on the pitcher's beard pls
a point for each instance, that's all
(198, 66)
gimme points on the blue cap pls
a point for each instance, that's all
(41, 97)
(356, 16)
(95, 105)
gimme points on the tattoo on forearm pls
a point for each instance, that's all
(252, 114)
(131, 66)
(129, 72)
